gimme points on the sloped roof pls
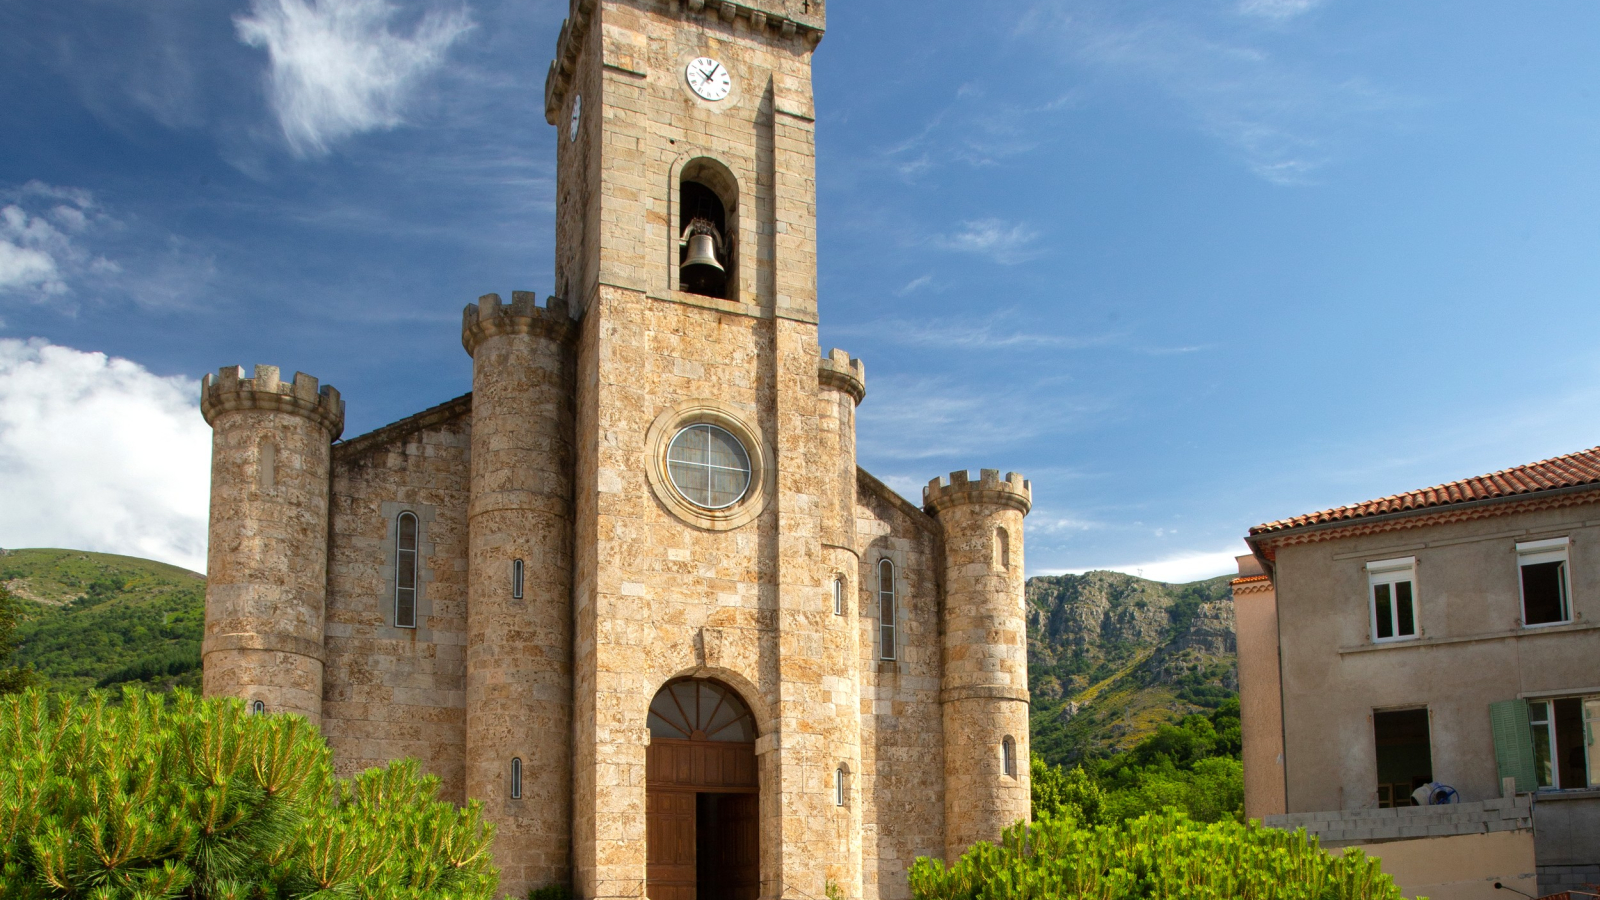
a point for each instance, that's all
(1570, 471)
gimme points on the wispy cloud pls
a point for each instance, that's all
(914, 285)
(1282, 114)
(999, 332)
(99, 453)
(1277, 9)
(337, 68)
(1007, 243)
(925, 418)
(38, 252)
(60, 241)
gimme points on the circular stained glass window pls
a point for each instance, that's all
(708, 466)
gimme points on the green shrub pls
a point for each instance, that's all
(555, 891)
(1157, 857)
(178, 797)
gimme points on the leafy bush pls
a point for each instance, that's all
(555, 891)
(1155, 857)
(1192, 766)
(196, 799)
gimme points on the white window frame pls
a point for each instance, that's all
(517, 575)
(1536, 552)
(1589, 715)
(887, 611)
(1392, 572)
(838, 595)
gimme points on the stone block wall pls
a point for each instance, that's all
(902, 727)
(394, 692)
(1343, 828)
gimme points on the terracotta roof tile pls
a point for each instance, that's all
(1572, 470)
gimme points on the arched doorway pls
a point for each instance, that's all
(702, 824)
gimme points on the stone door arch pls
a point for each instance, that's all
(701, 793)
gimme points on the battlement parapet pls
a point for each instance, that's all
(489, 317)
(837, 371)
(229, 390)
(1013, 491)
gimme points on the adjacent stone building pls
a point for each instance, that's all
(632, 592)
(1443, 645)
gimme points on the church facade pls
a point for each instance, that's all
(633, 592)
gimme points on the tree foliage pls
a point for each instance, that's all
(1158, 857)
(13, 678)
(178, 797)
(1192, 766)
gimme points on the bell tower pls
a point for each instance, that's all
(686, 254)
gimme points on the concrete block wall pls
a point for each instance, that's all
(1342, 828)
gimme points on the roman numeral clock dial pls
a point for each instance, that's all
(709, 78)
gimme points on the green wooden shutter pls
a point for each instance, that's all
(1513, 743)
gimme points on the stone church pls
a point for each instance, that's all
(633, 592)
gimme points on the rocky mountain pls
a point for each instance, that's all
(99, 620)
(1113, 656)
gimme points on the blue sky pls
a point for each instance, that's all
(1190, 266)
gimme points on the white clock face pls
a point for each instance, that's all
(709, 78)
(577, 112)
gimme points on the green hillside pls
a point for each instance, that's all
(95, 619)
(1111, 657)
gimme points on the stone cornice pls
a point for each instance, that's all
(397, 431)
(1251, 584)
(785, 19)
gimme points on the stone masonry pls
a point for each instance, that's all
(557, 465)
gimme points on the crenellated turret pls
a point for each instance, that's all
(519, 586)
(842, 381)
(267, 564)
(985, 686)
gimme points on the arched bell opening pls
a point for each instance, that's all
(702, 795)
(707, 229)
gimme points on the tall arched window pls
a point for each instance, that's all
(258, 707)
(886, 609)
(516, 579)
(838, 786)
(838, 595)
(1008, 757)
(405, 571)
(1002, 549)
(516, 778)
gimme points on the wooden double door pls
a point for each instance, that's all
(702, 821)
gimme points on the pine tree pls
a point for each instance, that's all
(171, 796)
(12, 678)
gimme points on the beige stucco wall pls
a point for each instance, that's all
(1459, 867)
(396, 692)
(1471, 652)
(1255, 613)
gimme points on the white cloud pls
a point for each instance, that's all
(98, 453)
(29, 246)
(1005, 243)
(336, 67)
(1277, 9)
(1181, 568)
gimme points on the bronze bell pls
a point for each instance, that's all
(703, 252)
